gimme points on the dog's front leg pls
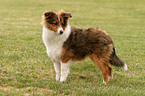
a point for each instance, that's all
(56, 64)
(64, 71)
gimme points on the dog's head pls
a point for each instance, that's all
(56, 22)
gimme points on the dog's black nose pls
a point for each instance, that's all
(61, 32)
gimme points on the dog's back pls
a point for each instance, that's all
(83, 43)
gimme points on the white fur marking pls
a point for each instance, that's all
(58, 18)
(125, 67)
(104, 81)
(64, 71)
(57, 70)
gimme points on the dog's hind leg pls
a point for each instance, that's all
(109, 73)
(103, 64)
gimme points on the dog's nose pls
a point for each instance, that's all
(61, 32)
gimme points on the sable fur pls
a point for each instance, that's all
(75, 44)
(82, 43)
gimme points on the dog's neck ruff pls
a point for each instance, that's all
(54, 41)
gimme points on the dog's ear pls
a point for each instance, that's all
(49, 14)
(66, 15)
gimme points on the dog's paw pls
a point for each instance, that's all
(57, 77)
(62, 79)
(104, 82)
(125, 67)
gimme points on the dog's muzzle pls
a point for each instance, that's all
(60, 31)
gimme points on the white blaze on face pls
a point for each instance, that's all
(58, 18)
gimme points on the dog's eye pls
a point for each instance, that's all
(62, 23)
(54, 23)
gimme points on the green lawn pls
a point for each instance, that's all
(26, 70)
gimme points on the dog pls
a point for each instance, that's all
(65, 44)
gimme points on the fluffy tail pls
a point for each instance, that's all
(116, 61)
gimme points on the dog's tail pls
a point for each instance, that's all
(116, 61)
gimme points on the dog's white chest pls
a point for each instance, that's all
(53, 48)
(53, 42)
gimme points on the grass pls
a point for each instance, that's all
(25, 68)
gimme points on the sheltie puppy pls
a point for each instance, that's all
(65, 44)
